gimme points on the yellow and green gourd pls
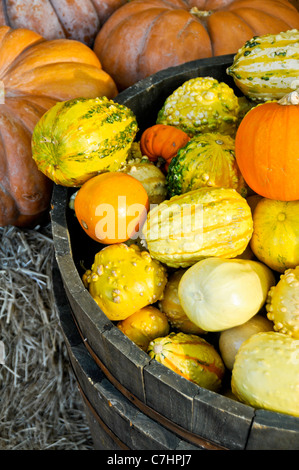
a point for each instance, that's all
(124, 279)
(207, 160)
(266, 373)
(80, 138)
(190, 356)
(199, 105)
(198, 224)
(267, 67)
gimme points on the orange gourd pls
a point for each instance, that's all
(79, 20)
(35, 74)
(267, 148)
(145, 36)
(163, 141)
(111, 207)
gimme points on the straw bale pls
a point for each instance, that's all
(40, 405)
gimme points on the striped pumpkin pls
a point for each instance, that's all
(267, 67)
(198, 224)
(190, 356)
(80, 138)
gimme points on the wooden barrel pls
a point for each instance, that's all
(199, 417)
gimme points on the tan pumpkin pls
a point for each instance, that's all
(55, 19)
(35, 74)
(145, 36)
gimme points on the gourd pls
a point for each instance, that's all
(144, 325)
(266, 67)
(35, 74)
(206, 160)
(231, 339)
(80, 138)
(111, 216)
(266, 373)
(198, 224)
(79, 20)
(201, 104)
(171, 306)
(146, 36)
(150, 176)
(162, 141)
(283, 303)
(217, 294)
(267, 146)
(124, 279)
(190, 356)
(275, 238)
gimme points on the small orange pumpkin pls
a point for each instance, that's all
(163, 141)
(267, 148)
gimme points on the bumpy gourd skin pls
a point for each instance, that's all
(283, 303)
(191, 357)
(123, 279)
(266, 67)
(266, 373)
(208, 160)
(201, 104)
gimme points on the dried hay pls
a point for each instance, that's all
(41, 407)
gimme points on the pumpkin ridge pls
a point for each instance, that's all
(5, 11)
(145, 39)
(14, 64)
(58, 18)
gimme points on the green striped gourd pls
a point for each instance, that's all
(190, 356)
(206, 160)
(198, 224)
(80, 138)
(201, 104)
(267, 67)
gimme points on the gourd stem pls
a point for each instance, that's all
(291, 98)
(200, 13)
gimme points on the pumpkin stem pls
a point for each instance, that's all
(200, 13)
(290, 98)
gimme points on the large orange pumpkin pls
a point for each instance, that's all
(57, 19)
(145, 36)
(34, 75)
(267, 148)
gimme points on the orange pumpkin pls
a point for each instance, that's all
(145, 36)
(111, 207)
(35, 74)
(267, 149)
(80, 20)
(163, 141)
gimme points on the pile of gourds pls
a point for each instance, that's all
(204, 209)
(218, 252)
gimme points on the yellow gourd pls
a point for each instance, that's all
(266, 373)
(144, 325)
(230, 340)
(124, 279)
(218, 294)
(283, 303)
(275, 238)
(171, 306)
